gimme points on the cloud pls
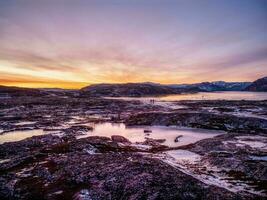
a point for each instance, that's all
(118, 41)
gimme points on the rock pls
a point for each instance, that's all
(153, 142)
(64, 167)
(147, 131)
(82, 195)
(119, 138)
(77, 130)
(177, 138)
(160, 140)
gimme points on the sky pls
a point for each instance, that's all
(74, 43)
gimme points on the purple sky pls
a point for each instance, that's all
(77, 42)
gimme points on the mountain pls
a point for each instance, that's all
(212, 86)
(137, 89)
(10, 91)
(259, 85)
(150, 89)
(128, 89)
(6, 91)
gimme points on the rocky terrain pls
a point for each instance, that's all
(63, 161)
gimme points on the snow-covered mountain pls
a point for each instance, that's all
(213, 86)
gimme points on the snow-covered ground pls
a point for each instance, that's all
(256, 142)
(192, 164)
(24, 123)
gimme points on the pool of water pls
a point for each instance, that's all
(14, 136)
(228, 95)
(136, 134)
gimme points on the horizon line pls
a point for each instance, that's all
(80, 85)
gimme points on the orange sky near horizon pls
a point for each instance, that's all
(76, 80)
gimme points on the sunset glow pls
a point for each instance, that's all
(71, 44)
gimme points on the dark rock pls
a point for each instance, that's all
(77, 130)
(177, 138)
(119, 138)
(147, 131)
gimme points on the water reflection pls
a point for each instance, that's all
(228, 95)
(218, 96)
(136, 134)
(14, 136)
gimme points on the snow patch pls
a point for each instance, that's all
(141, 146)
(84, 194)
(24, 123)
(257, 142)
(191, 163)
(4, 161)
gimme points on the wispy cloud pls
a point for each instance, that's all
(118, 41)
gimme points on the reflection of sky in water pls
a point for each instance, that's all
(14, 136)
(219, 95)
(207, 96)
(136, 134)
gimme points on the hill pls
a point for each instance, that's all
(259, 85)
(128, 89)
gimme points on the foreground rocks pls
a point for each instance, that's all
(240, 156)
(60, 166)
(49, 167)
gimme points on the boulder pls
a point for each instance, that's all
(177, 138)
(119, 138)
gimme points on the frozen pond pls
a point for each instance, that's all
(136, 134)
(14, 136)
(228, 95)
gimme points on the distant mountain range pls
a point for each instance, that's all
(150, 89)
(6, 91)
(139, 89)
(213, 86)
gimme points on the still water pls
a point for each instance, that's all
(232, 95)
(136, 134)
(14, 136)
